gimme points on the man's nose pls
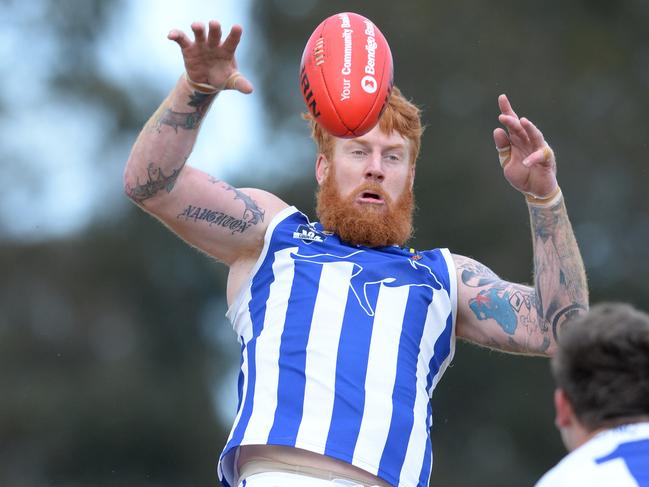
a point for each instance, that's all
(374, 169)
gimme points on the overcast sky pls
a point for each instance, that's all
(51, 187)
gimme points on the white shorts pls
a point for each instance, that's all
(289, 479)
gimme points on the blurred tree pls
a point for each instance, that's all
(108, 360)
(105, 365)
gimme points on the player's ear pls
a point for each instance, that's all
(321, 168)
(412, 176)
(564, 415)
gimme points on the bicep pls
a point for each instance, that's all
(496, 313)
(222, 221)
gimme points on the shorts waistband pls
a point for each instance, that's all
(255, 466)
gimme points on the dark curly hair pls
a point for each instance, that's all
(602, 364)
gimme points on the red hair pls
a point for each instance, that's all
(400, 115)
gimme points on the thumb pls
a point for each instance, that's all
(236, 81)
(542, 157)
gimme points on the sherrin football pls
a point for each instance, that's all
(346, 74)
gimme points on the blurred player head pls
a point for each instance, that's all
(365, 193)
(601, 370)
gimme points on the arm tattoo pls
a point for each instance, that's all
(215, 218)
(252, 214)
(560, 280)
(186, 120)
(512, 306)
(156, 182)
(532, 317)
(475, 274)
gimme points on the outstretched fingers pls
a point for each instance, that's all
(536, 157)
(500, 138)
(505, 106)
(180, 38)
(542, 154)
(509, 119)
(214, 34)
(199, 31)
(232, 40)
(517, 133)
(503, 146)
(210, 59)
(533, 133)
(542, 157)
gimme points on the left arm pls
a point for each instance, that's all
(513, 317)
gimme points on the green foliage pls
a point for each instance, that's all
(105, 366)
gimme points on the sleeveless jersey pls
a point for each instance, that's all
(341, 348)
(618, 457)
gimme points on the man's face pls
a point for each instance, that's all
(366, 189)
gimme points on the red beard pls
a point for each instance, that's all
(365, 224)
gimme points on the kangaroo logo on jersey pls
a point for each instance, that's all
(415, 274)
(308, 234)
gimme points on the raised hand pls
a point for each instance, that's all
(527, 160)
(208, 60)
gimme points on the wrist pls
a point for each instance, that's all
(208, 89)
(550, 199)
(204, 88)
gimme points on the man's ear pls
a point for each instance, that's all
(321, 168)
(412, 176)
(565, 415)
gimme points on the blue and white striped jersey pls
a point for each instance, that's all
(341, 348)
(618, 457)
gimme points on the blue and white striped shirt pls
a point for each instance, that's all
(616, 457)
(341, 349)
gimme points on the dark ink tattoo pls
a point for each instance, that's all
(156, 182)
(187, 120)
(475, 274)
(545, 345)
(213, 217)
(252, 211)
(566, 314)
(561, 286)
(531, 318)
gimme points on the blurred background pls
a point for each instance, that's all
(117, 366)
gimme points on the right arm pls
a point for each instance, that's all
(225, 222)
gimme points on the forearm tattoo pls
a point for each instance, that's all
(560, 279)
(531, 317)
(186, 120)
(156, 181)
(252, 214)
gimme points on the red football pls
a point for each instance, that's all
(346, 74)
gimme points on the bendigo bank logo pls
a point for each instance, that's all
(369, 84)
